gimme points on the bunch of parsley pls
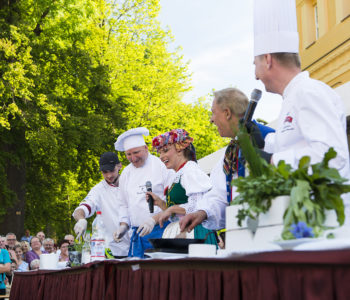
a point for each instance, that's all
(312, 188)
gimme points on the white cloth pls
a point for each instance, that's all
(134, 208)
(312, 120)
(275, 27)
(215, 201)
(105, 198)
(194, 181)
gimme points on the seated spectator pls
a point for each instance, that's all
(22, 266)
(25, 247)
(2, 242)
(5, 266)
(41, 236)
(69, 238)
(11, 240)
(27, 237)
(63, 245)
(34, 265)
(49, 245)
(35, 252)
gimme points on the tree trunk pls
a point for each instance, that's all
(13, 221)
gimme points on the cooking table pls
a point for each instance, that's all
(283, 275)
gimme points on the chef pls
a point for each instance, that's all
(134, 210)
(312, 117)
(104, 197)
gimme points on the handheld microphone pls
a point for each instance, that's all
(150, 198)
(254, 98)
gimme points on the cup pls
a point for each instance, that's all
(201, 250)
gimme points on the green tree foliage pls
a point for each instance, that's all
(74, 74)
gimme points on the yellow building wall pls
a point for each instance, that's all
(324, 31)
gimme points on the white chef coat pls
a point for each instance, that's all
(134, 209)
(215, 201)
(312, 120)
(105, 198)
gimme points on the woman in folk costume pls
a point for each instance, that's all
(186, 188)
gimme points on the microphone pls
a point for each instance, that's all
(254, 98)
(150, 198)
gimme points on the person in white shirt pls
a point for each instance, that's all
(104, 197)
(134, 210)
(312, 117)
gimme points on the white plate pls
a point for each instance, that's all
(290, 244)
(325, 244)
(166, 255)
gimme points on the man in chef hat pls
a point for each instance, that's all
(134, 210)
(312, 118)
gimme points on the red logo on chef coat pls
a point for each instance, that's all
(288, 119)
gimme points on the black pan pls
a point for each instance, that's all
(174, 245)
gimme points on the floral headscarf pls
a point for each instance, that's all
(179, 137)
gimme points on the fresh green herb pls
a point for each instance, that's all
(313, 189)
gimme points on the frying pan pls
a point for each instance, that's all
(174, 245)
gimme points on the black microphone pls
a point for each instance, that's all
(254, 98)
(150, 198)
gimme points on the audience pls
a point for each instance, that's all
(49, 245)
(63, 245)
(11, 240)
(25, 247)
(36, 250)
(27, 237)
(21, 264)
(34, 265)
(69, 238)
(2, 242)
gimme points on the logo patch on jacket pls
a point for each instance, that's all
(288, 119)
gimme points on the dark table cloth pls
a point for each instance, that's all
(271, 275)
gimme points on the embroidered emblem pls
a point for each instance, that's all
(288, 119)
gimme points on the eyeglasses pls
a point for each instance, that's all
(11, 239)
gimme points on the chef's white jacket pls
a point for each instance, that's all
(134, 209)
(312, 120)
(105, 198)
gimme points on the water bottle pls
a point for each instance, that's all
(98, 243)
(86, 251)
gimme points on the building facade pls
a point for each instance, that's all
(324, 31)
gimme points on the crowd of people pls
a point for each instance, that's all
(20, 255)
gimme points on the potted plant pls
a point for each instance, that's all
(313, 189)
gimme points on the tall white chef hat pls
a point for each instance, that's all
(275, 27)
(131, 139)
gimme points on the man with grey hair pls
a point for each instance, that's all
(48, 245)
(11, 240)
(228, 107)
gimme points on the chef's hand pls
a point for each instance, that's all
(266, 156)
(80, 227)
(146, 227)
(255, 133)
(117, 236)
(190, 221)
(156, 200)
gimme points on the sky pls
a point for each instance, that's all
(216, 37)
